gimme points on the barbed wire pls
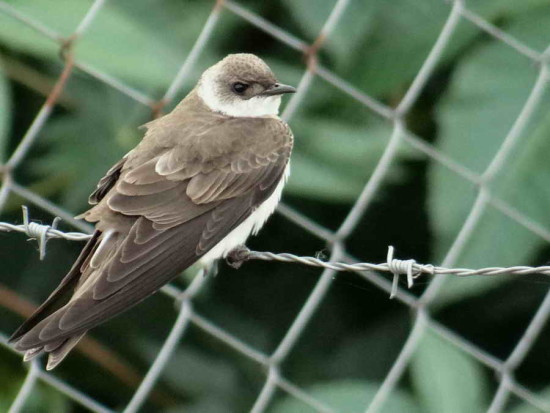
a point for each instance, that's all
(459, 12)
(412, 269)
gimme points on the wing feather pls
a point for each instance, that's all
(107, 182)
(168, 203)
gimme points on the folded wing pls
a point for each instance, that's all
(156, 215)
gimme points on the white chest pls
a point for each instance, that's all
(251, 225)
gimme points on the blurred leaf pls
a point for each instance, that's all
(209, 384)
(337, 145)
(86, 143)
(403, 34)
(45, 398)
(154, 40)
(310, 19)
(488, 92)
(18, 36)
(42, 398)
(353, 27)
(503, 8)
(210, 404)
(528, 408)
(333, 160)
(394, 37)
(154, 43)
(400, 32)
(5, 113)
(446, 379)
(201, 373)
(347, 396)
(382, 31)
(383, 338)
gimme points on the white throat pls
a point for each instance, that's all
(256, 106)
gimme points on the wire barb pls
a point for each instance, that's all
(398, 267)
(42, 233)
(38, 231)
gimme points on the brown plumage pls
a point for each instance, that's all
(194, 178)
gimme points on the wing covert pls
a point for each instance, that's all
(166, 209)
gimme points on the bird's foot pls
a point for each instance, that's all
(237, 256)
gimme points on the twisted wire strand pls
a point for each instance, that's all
(397, 266)
(412, 269)
(37, 231)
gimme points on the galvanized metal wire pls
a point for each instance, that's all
(412, 269)
(340, 259)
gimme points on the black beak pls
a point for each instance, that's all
(279, 89)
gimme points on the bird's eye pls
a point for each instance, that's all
(239, 87)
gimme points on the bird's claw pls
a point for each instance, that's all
(237, 256)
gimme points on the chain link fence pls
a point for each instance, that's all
(420, 306)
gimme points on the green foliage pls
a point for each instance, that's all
(355, 26)
(528, 408)
(201, 377)
(390, 33)
(347, 396)
(41, 399)
(446, 379)
(333, 160)
(489, 89)
(90, 140)
(468, 107)
(134, 25)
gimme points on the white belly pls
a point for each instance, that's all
(251, 225)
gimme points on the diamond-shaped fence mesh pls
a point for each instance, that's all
(336, 240)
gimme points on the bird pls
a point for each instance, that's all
(202, 179)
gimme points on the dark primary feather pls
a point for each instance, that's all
(195, 176)
(106, 183)
(63, 291)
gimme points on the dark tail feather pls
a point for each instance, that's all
(57, 355)
(61, 294)
(57, 350)
(35, 352)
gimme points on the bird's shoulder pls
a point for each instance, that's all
(193, 137)
(202, 150)
(205, 134)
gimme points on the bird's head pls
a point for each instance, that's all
(242, 85)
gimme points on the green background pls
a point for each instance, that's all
(466, 110)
